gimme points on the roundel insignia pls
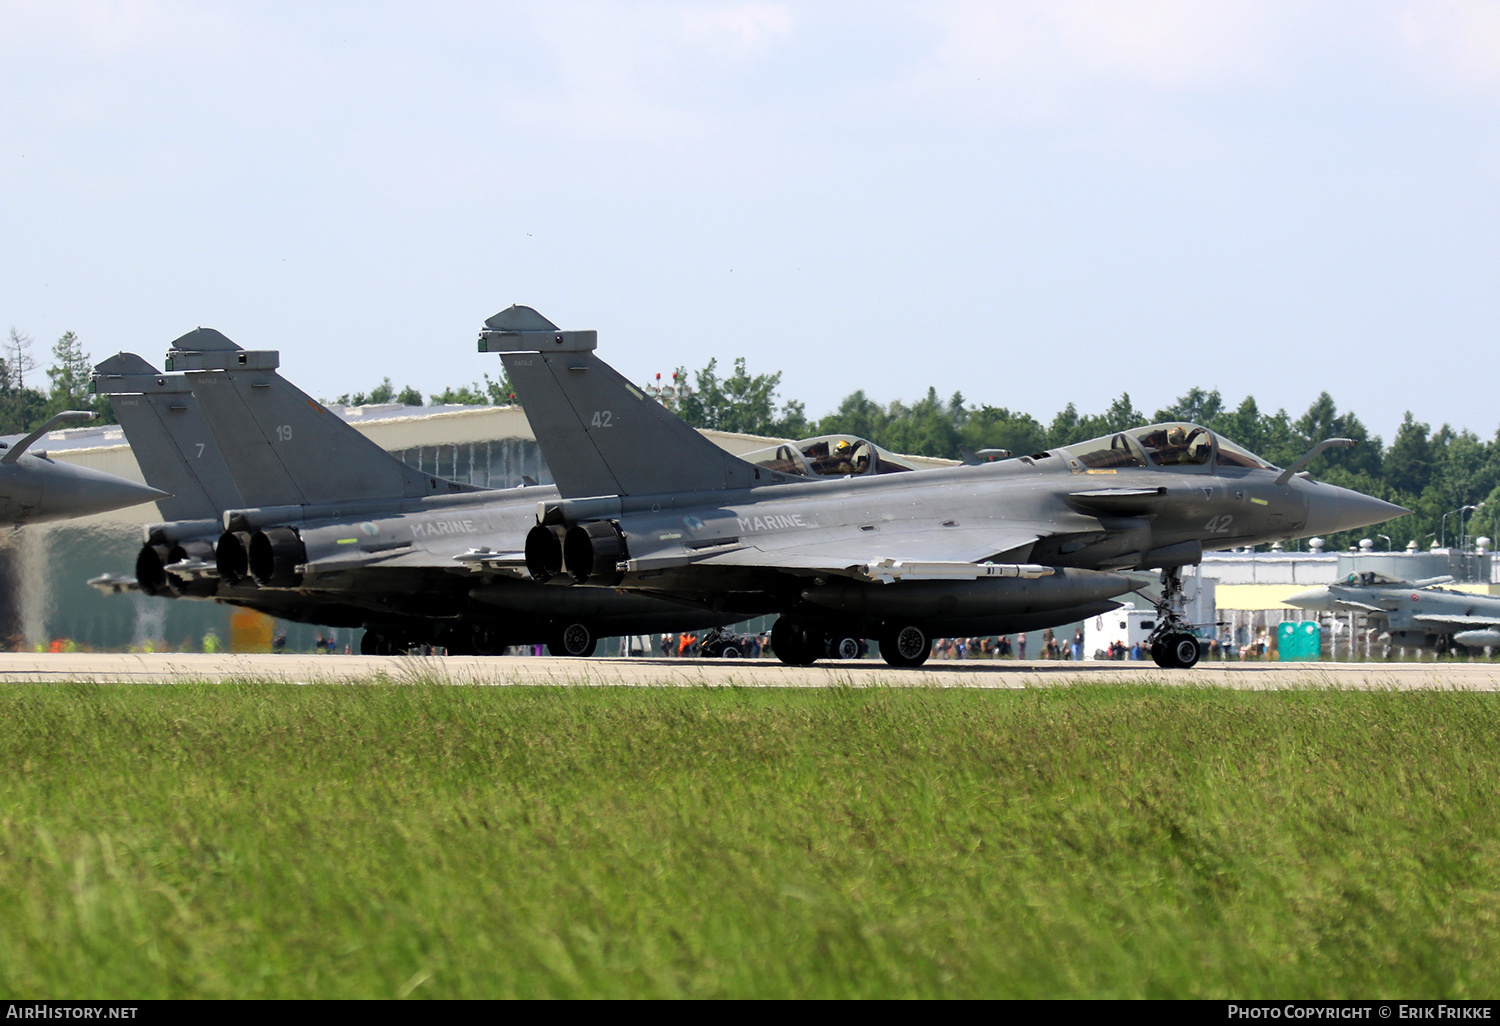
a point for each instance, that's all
(1414, 596)
(692, 523)
(368, 528)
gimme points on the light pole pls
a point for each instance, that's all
(1443, 526)
(1387, 541)
(1463, 534)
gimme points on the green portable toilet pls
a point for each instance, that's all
(1299, 641)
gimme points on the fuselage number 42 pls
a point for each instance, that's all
(602, 419)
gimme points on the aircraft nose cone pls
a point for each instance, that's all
(1312, 598)
(73, 491)
(1331, 509)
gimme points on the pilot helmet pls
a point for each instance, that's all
(1176, 435)
(843, 448)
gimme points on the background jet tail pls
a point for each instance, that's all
(169, 437)
(600, 434)
(284, 447)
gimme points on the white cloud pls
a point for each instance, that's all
(736, 29)
(630, 70)
(108, 28)
(1035, 58)
(1454, 45)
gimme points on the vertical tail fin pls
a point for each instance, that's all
(171, 440)
(599, 433)
(284, 447)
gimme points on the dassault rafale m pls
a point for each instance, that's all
(284, 508)
(1414, 614)
(35, 489)
(647, 505)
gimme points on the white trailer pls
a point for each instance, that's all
(1128, 625)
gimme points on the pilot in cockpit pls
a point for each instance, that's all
(1175, 446)
(842, 462)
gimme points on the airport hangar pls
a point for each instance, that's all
(44, 569)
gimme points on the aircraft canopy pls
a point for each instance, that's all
(829, 456)
(1163, 445)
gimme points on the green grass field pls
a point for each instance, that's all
(263, 840)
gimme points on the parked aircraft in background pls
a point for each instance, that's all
(648, 505)
(37, 490)
(1414, 614)
(323, 526)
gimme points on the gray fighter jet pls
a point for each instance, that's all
(1413, 614)
(35, 489)
(646, 504)
(326, 527)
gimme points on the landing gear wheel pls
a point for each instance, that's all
(841, 646)
(1185, 650)
(1160, 655)
(730, 652)
(905, 645)
(1176, 652)
(486, 642)
(789, 642)
(574, 640)
(375, 643)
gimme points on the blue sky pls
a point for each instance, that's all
(1031, 203)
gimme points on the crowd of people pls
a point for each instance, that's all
(714, 643)
(1002, 647)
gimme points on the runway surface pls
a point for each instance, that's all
(169, 668)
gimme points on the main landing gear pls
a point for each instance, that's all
(1173, 645)
(801, 644)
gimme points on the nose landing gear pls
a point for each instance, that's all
(1173, 645)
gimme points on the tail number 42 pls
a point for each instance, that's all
(602, 419)
(1219, 524)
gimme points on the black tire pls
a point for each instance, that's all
(842, 646)
(574, 640)
(789, 642)
(905, 645)
(729, 652)
(1161, 653)
(486, 642)
(1186, 650)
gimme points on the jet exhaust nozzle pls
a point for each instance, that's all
(151, 569)
(544, 553)
(275, 555)
(232, 555)
(592, 552)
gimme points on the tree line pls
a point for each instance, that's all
(1434, 473)
(24, 401)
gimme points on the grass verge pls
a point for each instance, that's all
(253, 840)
